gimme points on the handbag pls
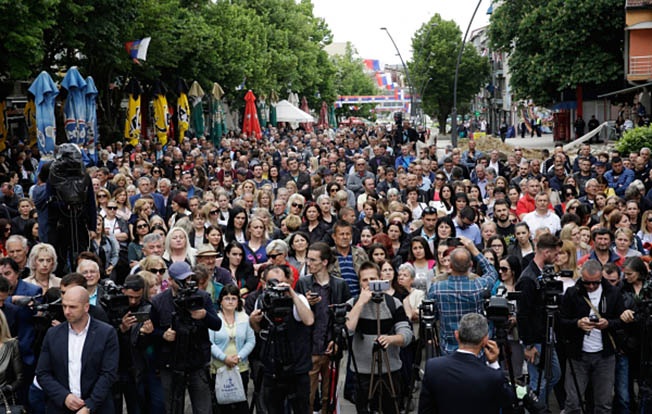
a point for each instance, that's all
(228, 386)
(5, 408)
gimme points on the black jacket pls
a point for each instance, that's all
(531, 314)
(574, 307)
(338, 286)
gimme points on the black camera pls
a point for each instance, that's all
(187, 298)
(50, 311)
(338, 313)
(427, 311)
(275, 302)
(550, 287)
(114, 302)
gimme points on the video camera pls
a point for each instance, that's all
(50, 311)
(114, 302)
(187, 298)
(550, 287)
(276, 304)
(427, 311)
(500, 307)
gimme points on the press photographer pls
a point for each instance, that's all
(283, 320)
(133, 329)
(536, 300)
(181, 317)
(379, 328)
(323, 291)
(590, 316)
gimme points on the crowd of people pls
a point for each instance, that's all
(206, 259)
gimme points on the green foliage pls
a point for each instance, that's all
(350, 78)
(557, 44)
(635, 139)
(436, 46)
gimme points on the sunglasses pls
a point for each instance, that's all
(439, 178)
(177, 169)
(156, 171)
(275, 255)
(297, 205)
(649, 219)
(503, 268)
(112, 207)
(159, 271)
(101, 196)
(142, 226)
(214, 212)
(591, 283)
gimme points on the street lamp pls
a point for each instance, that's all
(422, 90)
(407, 73)
(457, 73)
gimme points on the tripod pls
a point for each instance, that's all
(428, 342)
(380, 357)
(334, 365)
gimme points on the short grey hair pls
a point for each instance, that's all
(472, 329)
(408, 268)
(17, 238)
(152, 238)
(277, 246)
(143, 179)
(591, 267)
(164, 181)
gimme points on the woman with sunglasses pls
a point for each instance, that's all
(135, 248)
(295, 204)
(176, 174)
(241, 270)
(211, 213)
(157, 266)
(102, 198)
(157, 174)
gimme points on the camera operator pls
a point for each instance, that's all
(395, 333)
(183, 347)
(322, 290)
(531, 313)
(461, 382)
(134, 327)
(459, 294)
(590, 315)
(284, 329)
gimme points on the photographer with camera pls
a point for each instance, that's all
(181, 317)
(283, 319)
(133, 367)
(459, 294)
(379, 327)
(531, 315)
(590, 316)
(323, 291)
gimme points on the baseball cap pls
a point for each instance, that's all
(180, 271)
(599, 164)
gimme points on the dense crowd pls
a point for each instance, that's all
(319, 216)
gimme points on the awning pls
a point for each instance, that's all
(626, 90)
(640, 26)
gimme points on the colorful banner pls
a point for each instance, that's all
(30, 121)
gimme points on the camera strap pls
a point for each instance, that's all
(611, 338)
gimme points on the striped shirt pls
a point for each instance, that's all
(348, 273)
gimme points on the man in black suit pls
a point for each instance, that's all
(463, 383)
(79, 360)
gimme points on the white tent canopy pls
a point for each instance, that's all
(286, 112)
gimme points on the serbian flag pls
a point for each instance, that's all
(138, 49)
(372, 64)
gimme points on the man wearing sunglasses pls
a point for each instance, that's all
(590, 316)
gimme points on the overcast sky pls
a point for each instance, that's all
(359, 22)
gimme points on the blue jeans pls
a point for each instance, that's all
(621, 388)
(533, 371)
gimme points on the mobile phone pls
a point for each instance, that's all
(594, 319)
(454, 242)
(141, 316)
(379, 285)
(313, 295)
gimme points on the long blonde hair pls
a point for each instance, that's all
(5, 334)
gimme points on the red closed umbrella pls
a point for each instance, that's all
(307, 126)
(250, 124)
(323, 115)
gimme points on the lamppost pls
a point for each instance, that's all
(407, 73)
(422, 90)
(457, 73)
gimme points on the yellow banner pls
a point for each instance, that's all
(30, 120)
(161, 118)
(183, 116)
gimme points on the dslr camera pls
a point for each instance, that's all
(550, 287)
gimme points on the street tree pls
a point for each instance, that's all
(555, 45)
(435, 48)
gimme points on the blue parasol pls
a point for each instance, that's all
(45, 92)
(74, 110)
(90, 93)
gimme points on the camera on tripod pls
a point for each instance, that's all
(427, 312)
(500, 307)
(276, 304)
(187, 298)
(114, 302)
(550, 287)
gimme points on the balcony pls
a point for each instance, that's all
(638, 4)
(640, 68)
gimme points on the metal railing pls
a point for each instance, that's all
(640, 65)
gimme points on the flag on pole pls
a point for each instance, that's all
(161, 113)
(137, 49)
(133, 122)
(183, 109)
(30, 120)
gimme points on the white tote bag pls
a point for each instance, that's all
(228, 386)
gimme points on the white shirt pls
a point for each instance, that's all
(549, 220)
(593, 341)
(75, 348)
(493, 365)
